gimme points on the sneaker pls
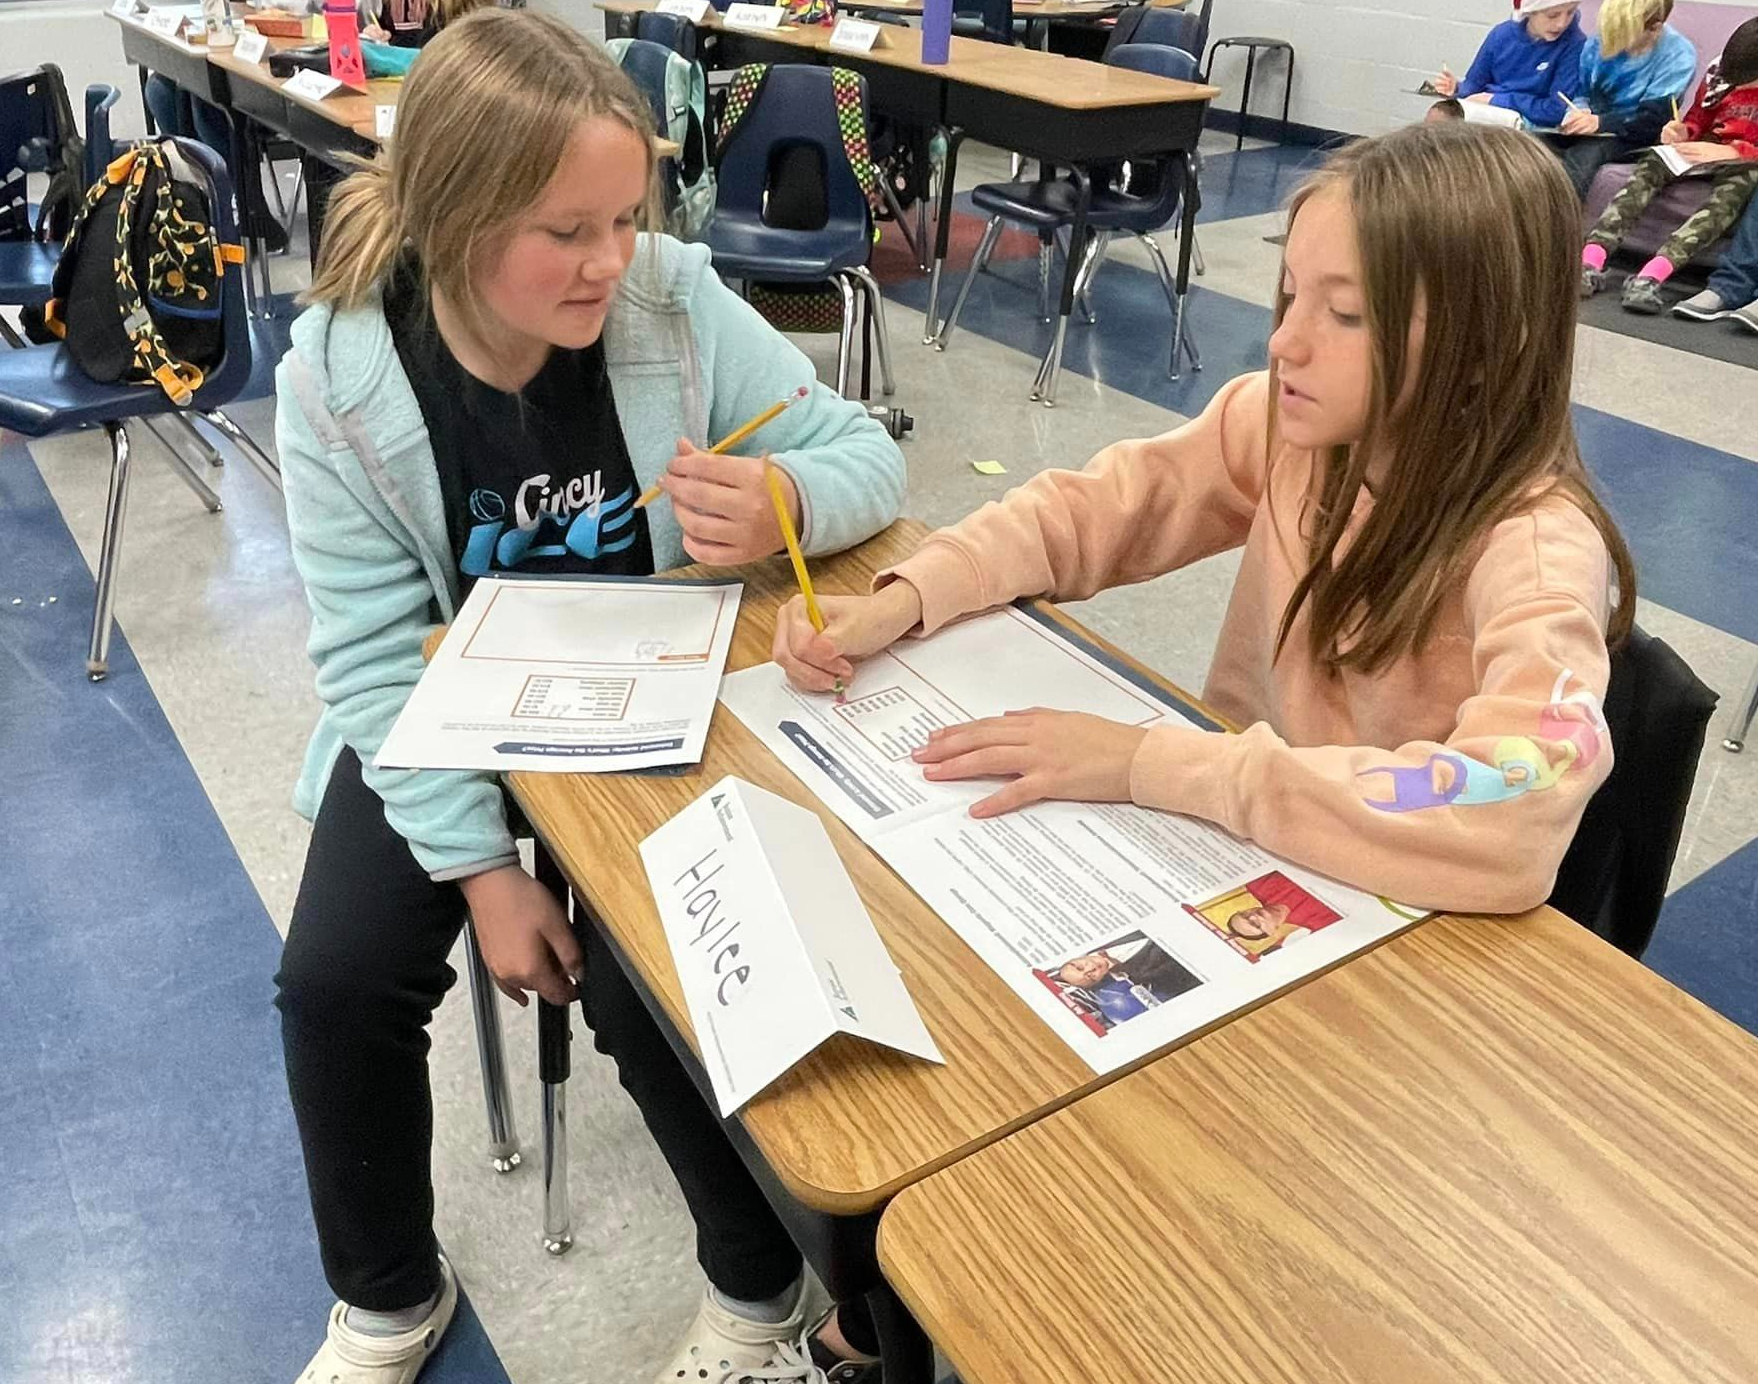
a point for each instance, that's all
(352, 1357)
(1703, 307)
(1642, 295)
(1746, 317)
(1592, 280)
(721, 1347)
(810, 1361)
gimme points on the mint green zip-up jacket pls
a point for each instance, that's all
(687, 358)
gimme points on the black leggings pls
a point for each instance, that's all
(363, 969)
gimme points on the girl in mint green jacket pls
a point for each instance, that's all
(495, 364)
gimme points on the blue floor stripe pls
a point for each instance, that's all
(1707, 941)
(151, 1191)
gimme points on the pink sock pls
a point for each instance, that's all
(1659, 269)
(1593, 256)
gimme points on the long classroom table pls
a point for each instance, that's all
(1492, 1151)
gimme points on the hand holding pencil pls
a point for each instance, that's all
(722, 502)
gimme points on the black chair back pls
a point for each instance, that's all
(1613, 879)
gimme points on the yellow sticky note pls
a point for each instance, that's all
(988, 468)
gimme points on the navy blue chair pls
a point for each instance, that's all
(795, 114)
(1144, 204)
(669, 31)
(1169, 28)
(43, 393)
(991, 21)
(100, 148)
(27, 125)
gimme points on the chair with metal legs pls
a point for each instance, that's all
(1051, 205)
(797, 108)
(43, 393)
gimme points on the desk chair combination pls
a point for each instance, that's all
(818, 234)
(1050, 205)
(43, 393)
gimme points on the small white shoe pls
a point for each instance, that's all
(352, 1357)
(722, 1346)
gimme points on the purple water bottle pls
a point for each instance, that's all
(936, 30)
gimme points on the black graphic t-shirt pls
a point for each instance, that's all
(538, 481)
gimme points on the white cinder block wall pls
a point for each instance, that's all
(1354, 59)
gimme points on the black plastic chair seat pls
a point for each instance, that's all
(42, 391)
(26, 266)
(1253, 41)
(1045, 206)
(745, 249)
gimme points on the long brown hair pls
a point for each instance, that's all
(485, 116)
(1479, 229)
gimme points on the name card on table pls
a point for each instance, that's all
(314, 86)
(384, 121)
(856, 36)
(774, 949)
(693, 10)
(166, 22)
(125, 8)
(754, 16)
(251, 45)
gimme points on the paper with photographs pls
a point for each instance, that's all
(1125, 929)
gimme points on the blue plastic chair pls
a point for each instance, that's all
(100, 148)
(43, 393)
(797, 107)
(26, 265)
(1048, 205)
(669, 31)
(1168, 28)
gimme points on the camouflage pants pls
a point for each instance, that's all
(1735, 181)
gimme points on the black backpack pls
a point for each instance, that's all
(59, 153)
(137, 294)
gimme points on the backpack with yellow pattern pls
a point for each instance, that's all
(136, 295)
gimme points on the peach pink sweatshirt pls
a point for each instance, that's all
(1453, 778)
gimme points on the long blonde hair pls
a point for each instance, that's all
(484, 119)
(1479, 227)
(1623, 22)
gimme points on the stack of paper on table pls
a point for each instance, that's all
(1123, 928)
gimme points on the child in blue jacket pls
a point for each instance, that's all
(1527, 64)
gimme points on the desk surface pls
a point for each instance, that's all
(853, 1123)
(352, 110)
(1022, 9)
(1050, 78)
(1488, 1151)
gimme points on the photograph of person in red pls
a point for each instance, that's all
(1264, 915)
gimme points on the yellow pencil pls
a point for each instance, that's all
(1675, 110)
(733, 438)
(792, 539)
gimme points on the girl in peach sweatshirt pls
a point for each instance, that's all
(1416, 644)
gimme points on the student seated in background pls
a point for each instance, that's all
(1733, 287)
(1426, 570)
(1719, 132)
(1526, 65)
(1630, 76)
(487, 322)
(411, 23)
(176, 112)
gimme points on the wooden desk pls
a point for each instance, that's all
(1054, 10)
(854, 1123)
(1489, 1152)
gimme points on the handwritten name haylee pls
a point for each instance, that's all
(705, 906)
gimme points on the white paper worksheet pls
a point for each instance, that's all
(570, 674)
(1123, 928)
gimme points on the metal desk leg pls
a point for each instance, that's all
(491, 1056)
(1044, 388)
(97, 663)
(553, 1038)
(1741, 721)
(942, 235)
(903, 1345)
